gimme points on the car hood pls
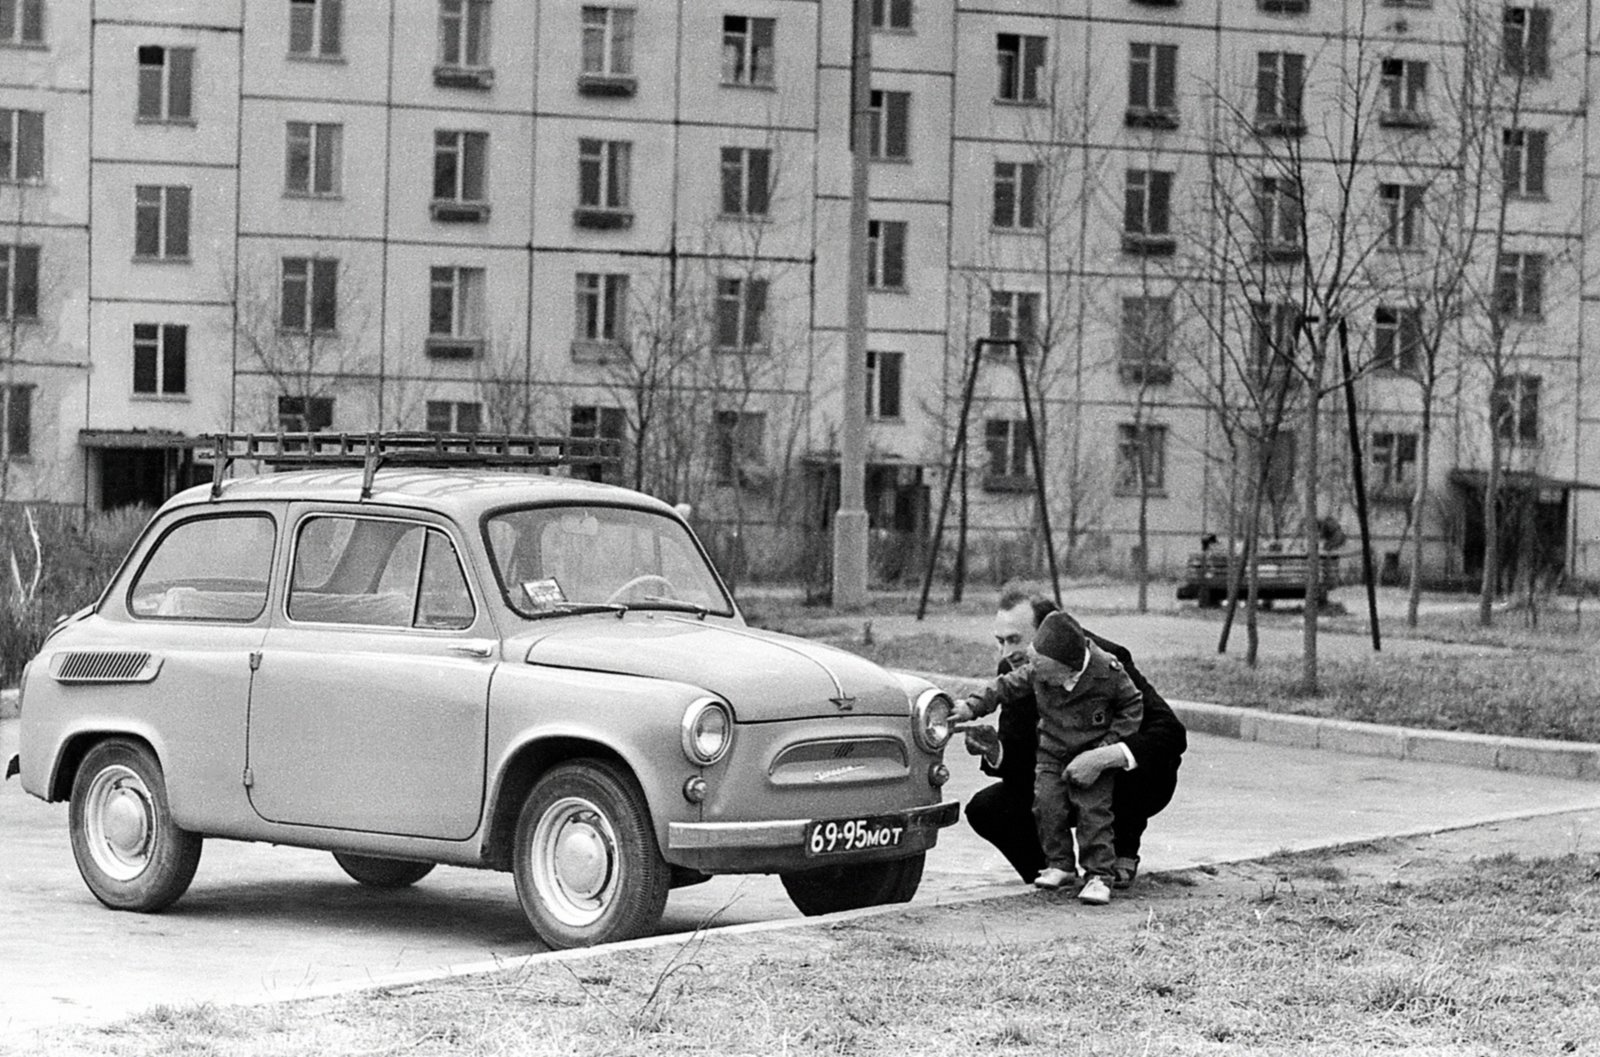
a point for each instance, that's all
(764, 675)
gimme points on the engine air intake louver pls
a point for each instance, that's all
(104, 666)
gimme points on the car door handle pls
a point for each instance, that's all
(471, 649)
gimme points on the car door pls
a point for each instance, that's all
(370, 705)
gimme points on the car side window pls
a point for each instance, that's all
(207, 568)
(377, 573)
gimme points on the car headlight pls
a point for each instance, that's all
(707, 731)
(930, 719)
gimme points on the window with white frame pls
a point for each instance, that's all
(309, 300)
(1404, 88)
(1278, 215)
(166, 83)
(160, 222)
(1280, 90)
(1010, 458)
(454, 416)
(891, 14)
(889, 124)
(316, 29)
(160, 359)
(607, 41)
(1019, 67)
(1153, 78)
(1402, 215)
(1519, 286)
(456, 304)
(1145, 346)
(305, 414)
(1397, 338)
(19, 282)
(1394, 462)
(741, 314)
(884, 375)
(1522, 161)
(313, 159)
(1016, 193)
(603, 173)
(1014, 316)
(747, 50)
(21, 146)
(602, 308)
(746, 181)
(1525, 48)
(886, 254)
(22, 22)
(738, 445)
(1141, 458)
(16, 408)
(1514, 409)
(460, 166)
(464, 33)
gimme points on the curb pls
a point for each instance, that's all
(1578, 760)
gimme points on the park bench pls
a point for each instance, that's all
(1282, 576)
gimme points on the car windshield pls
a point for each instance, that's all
(563, 559)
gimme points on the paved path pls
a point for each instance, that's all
(262, 923)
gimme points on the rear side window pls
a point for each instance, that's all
(207, 568)
(378, 573)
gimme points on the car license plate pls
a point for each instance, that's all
(837, 835)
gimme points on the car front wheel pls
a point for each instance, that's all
(373, 872)
(830, 889)
(587, 866)
(130, 853)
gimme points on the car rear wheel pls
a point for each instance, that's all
(586, 863)
(373, 872)
(834, 888)
(130, 853)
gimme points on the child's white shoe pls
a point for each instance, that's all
(1051, 878)
(1095, 892)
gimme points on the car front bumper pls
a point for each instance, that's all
(779, 845)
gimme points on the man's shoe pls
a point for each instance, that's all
(1051, 878)
(1124, 872)
(1095, 893)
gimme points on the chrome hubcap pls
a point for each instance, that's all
(119, 817)
(574, 860)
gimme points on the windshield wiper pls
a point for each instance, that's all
(566, 609)
(677, 604)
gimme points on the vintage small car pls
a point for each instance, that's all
(411, 649)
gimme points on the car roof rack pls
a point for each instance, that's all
(408, 448)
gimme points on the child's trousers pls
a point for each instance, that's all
(1055, 800)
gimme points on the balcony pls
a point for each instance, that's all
(608, 85)
(1141, 244)
(451, 211)
(1146, 117)
(480, 78)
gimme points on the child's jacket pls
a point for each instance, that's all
(1102, 708)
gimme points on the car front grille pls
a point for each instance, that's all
(840, 761)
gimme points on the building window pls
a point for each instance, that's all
(455, 312)
(460, 166)
(1394, 463)
(1519, 286)
(1402, 215)
(22, 22)
(310, 300)
(1010, 466)
(161, 223)
(741, 314)
(603, 174)
(1278, 217)
(1280, 92)
(305, 414)
(21, 146)
(166, 83)
(17, 409)
(1152, 85)
(313, 159)
(747, 50)
(1147, 212)
(884, 373)
(1019, 64)
(1016, 194)
(454, 416)
(889, 124)
(160, 358)
(19, 282)
(316, 28)
(464, 33)
(1526, 42)
(1514, 409)
(1014, 316)
(891, 14)
(738, 446)
(746, 181)
(1523, 162)
(1397, 339)
(1145, 349)
(602, 303)
(608, 47)
(886, 254)
(1404, 88)
(1141, 458)
(1274, 333)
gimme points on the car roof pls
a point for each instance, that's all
(464, 493)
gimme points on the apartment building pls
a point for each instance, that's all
(630, 219)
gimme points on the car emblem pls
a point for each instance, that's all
(844, 702)
(838, 772)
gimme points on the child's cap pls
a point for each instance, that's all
(1061, 639)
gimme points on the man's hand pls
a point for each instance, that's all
(1086, 768)
(962, 713)
(983, 740)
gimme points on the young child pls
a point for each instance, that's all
(1085, 700)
